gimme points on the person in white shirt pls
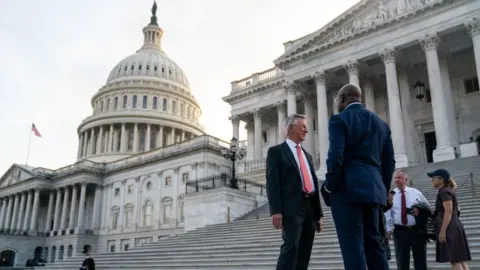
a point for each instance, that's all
(401, 223)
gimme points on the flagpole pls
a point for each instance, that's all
(29, 141)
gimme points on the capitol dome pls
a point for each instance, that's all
(146, 103)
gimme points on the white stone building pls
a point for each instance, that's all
(386, 47)
(137, 150)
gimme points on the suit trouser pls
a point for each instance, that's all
(406, 238)
(358, 234)
(298, 234)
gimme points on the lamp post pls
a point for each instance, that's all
(233, 154)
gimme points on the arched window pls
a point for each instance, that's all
(134, 102)
(147, 214)
(174, 107)
(114, 214)
(61, 252)
(125, 100)
(128, 215)
(53, 253)
(182, 113)
(164, 105)
(69, 251)
(108, 104)
(188, 112)
(167, 209)
(101, 106)
(145, 102)
(155, 101)
(115, 103)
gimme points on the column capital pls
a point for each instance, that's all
(256, 112)
(280, 105)
(235, 120)
(320, 77)
(290, 86)
(351, 67)
(388, 55)
(429, 42)
(473, 26)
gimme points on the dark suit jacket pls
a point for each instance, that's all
(421, 221)
(284, 182)
(361, 160)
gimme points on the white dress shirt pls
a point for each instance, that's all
(293, 148)
(394, 216)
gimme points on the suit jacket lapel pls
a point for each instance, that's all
(289, 154)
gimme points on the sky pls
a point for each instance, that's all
(55, 55)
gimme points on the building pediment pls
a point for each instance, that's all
(16, 174)
(365, 17)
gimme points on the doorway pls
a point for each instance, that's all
(7, 258)
(430, 145)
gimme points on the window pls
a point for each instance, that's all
(168, 181)
(108, 104)
(182, 113)
(134, 102)
(145, 101)
(164, 105)
(149, 185)
(130, 189)
(471, 85)
(115, 103)
(125, 100)
(148, 67)
(155, 101)
(184, 178)
(128, 215)
(101, 106)
(167, 209)
(117, 192)
(130, 141)
(264, 137)
(141, 145)
(114, 220)
(112, 248)
(174, 107)
(153, 140)
(147, 215)
(126, 246)
(188, 112)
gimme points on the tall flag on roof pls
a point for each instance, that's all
(35, 131)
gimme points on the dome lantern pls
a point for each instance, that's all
(152, 32)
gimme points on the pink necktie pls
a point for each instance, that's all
(307, 183)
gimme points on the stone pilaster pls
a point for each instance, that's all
(388, 56)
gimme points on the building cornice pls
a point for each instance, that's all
(258, 88)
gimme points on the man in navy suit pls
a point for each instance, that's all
(292, 190)
(360, 166)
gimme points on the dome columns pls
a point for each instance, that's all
(127, 139)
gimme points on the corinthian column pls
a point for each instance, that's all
(444, 150)
(235, 127)
(396, 119)
(28, 211)
(473, 27)
(81, 209)
(257, 120)
(352, 69)
(66, 198)
(281, 119)
(291, 89)
(322, 121)
(21, 213)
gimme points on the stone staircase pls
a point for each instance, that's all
(251, 243)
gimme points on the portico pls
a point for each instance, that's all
(385, 60)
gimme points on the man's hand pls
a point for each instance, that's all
(320, 225)
(277, 221)
(415, 211)
(390, 199)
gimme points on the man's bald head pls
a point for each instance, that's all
(348, 94)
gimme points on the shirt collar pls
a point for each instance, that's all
(291, 143)
(407, 188)
(353, 103)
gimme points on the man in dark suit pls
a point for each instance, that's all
(292, 189)
(360, 166)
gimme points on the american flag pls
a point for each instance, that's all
(35, 131)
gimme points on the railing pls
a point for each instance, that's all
(223, 180)
(252, 165)
(256, 78)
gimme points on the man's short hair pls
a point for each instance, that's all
(291, 120)
(349, 90)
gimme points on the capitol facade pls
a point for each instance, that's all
(417, 62)
(138, 149)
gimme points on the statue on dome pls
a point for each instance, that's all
(154, 8)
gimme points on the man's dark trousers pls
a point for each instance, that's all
(358, 234)
(406, 238)
(298, 233)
